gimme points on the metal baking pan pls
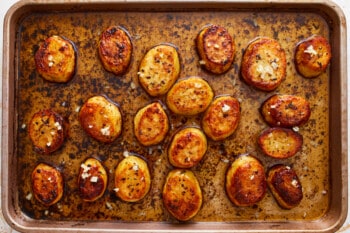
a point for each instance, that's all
(321, 164)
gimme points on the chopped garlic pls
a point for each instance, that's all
(77, 109)
(226, 108)
(296, 128)
(324, 192)
(105, 131)
(29, 196)
(90, 126)
(216, 46)
(48, 144)
(274, 65)
(140, 74)
(310, 50)
(50, 64)
(52, 133)
(197, 85)
(109, 205)
(225, 160)
(58, 125)
(132, 85)
(201, 62)
(135, 167)
(295, 183)
(251, 177)
(94, 179)
(265, 71)
(23, 126)
(116, 190)
(126, 153)
(50, 57)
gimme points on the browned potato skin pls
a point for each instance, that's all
(189, 96)
(187, 148)
(312, 61)
(101, 119)
(151, 124)
(132, 179)
(159, 69)
(245, 181)
(216, 48)
(285, 186)
(46, 131)
(115, 50)
(182, 195)
(285, 110)
(92, 190)
(264, 64)
(221, 118)
(280, 143)
(55, 60)
(47, 184)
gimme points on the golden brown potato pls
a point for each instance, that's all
(182, 195)
(189, 96)
(221, 118)
(55, 60)
(187, 148)
(264, 64)
(159, 69)
(151, 124)
(216, 48)
(47, 184)
(285, 186)
(280, 143)
(245, 181)
(101, 119)
(132, 179)
(115, 50)
(92, 180)
(285, 110)
(312, 56)
(46, 131)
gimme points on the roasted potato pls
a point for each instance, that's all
(46, 131)
(189, 96)
(216, 48)
(101, 119)
(187, 147)
(285, 110)
(264, 64)
(285, 186)
(221, 118)
(159, 69)
(115, 50)
(92, 180)
(132, 179)
(280, 143)
(47, 184)
(151, 124)
(312, 56)
(245, 181)
(182, 195)
(55, 60)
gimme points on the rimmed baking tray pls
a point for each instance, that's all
(321, 164)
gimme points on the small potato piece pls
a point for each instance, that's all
(115, 50)
(187, 148)
(132, 179)
(92, 180)
(280, 143)
(312, 56)
(216, 48)
(245, 181)
(221, 118)
(46, 131)
(55, 60)
(101, 119)
(189, 96)
(151, 124)
(159, 69)
(285, 186)
(285, 110)
(264, 64)
(47, 184)
(182, 195)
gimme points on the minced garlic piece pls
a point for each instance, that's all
(105, 131)
(58, 125)
(225, 108)
(94, 179)
(310, 50)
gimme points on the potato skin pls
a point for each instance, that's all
(245, 181)
(216, 48)
(92, 180)
(159, 69)
(115, 50)
(187, 148)
(189, 96)
(101, 119)
(47, 184)
(264, 64)
(285, 186)
(221, 118)
(55, 60)
(47, 131)
(182, 195)
(285, 110)
(312, 56)
(132, 179)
